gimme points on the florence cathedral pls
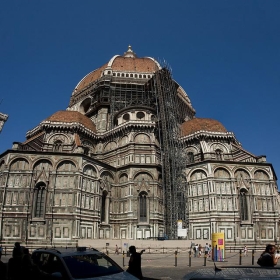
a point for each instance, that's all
(128, 159)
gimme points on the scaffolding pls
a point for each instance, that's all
(171, 109)
(170, 115)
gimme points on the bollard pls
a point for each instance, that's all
(176, 258)
(253, 257)
(107, 252)
(205, 256)
(149, 250)
(190, 258)
(163, 250)
(240, 257)
(123, 259)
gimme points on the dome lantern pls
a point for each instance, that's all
(130, 52)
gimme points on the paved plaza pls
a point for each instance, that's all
(162, 266)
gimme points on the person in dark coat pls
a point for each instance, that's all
(268, 257)
(3, 270)
(14, 263)
(134, 264)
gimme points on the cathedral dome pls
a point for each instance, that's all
(126, 65)
(72, 117)
(197, 124)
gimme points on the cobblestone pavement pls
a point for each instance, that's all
(162, 266)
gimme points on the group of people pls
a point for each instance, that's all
(21, 266)
(198, 250)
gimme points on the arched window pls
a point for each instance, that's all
(143, 207)
(243, 205)
(190, 157)
(39, 200)
(219, 154)
(57, 146)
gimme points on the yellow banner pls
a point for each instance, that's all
(218, 246)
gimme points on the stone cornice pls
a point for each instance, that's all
(202, 134)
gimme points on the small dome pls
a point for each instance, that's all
(128, 62)
(197, 124)
(72, 117)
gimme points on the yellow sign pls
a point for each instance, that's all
(218, 246)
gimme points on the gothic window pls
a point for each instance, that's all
(39, 200)
(143, 207)
(243, 205)
(190, 157)
(219, 154)
(103, 207)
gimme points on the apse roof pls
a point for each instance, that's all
(197, 124)
(72, 117)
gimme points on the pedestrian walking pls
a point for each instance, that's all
(206, 250)
(199, 250)
(210, 251)
(117, 250)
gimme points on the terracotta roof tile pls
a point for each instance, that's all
(197, 124)
(133, 64)
(91, 77)
(72, 117)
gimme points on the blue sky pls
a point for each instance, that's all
(225, 54)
